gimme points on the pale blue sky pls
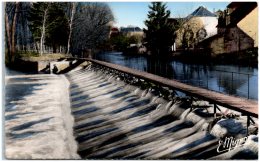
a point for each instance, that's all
(135, 13)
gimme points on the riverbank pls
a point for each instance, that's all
(33, 64)
(38, 125)
(200, 56)
(242, 58)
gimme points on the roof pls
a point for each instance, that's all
(205, 41)
(202, 12)
(242, 9)
(237, 4)
(131, 29)
(114, 29)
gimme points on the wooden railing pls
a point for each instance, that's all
(245, 106)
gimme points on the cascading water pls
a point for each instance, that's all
(38, 121)
(92, 111)
(115, 120)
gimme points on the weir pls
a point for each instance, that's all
(121, 113)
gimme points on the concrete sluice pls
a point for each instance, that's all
(115, 120)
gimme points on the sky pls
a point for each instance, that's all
(135, 13)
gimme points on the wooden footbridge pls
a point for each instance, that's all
(116, 120)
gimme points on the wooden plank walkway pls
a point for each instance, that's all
(245, 106)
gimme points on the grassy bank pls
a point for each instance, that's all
(44, 57)
(28, 62)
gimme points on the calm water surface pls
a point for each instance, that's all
(228, 79)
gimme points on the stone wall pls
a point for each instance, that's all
(217, 45)
(229, 40)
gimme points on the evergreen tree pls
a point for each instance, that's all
(57, 27)
(159, 34)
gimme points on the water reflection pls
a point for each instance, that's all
(218, 78)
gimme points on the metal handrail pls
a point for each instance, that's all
(235, 72)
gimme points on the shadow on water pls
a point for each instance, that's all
(143, 111)
(16, 92)
(245, 154)
(178, 127)
(160, 67)
(18, 80)
(93, 134)
(131, 105)
(114, 150)
(92, 123)
(159, 122)
(195, 143)
(23, 135)
(29, 124)
(15, 116)
(85, 111)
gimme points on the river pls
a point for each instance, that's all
(229, 79)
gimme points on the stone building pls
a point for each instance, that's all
(237, 29)
(132, 31)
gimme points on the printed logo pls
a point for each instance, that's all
(230, 143)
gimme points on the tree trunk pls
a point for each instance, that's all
(54, 48)
(8, 34)
(43, 30)
(70, 25)
(11, 33)
(14, 31)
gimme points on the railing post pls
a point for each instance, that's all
(191, 101)
(247, 124)
(207, 81)
(248, 86)
(215, 110)
(232, 82)
(219, 82)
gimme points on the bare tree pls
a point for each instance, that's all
(187, 31)
(73, 10)
(43, 28)
(91, 25)
(7, 30)
(38, 15)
